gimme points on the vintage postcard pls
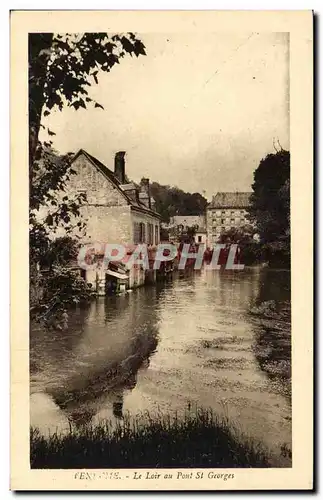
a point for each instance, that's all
(161, 250)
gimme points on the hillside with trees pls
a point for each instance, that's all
(171, 200)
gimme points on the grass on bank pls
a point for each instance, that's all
(197, 440)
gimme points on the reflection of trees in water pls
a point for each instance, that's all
(51, 347)
(232, 289)
(272, 320)
(107, 375)
(82, 400)
(274, 285)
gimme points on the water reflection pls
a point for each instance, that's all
(107, 344)
(167, 348)
(106, 388)
(274, 285)
(272, 320)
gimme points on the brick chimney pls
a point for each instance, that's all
(144, 195)
(119, 166)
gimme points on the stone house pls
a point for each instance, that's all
(116, 211)
(226, 211)
(187, 221)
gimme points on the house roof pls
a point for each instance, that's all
(230, 200)
(188, 220)
(135, 204)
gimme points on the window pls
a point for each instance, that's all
(199, 239)
(156, 235)
(150, 239)
(142, 232)
(222, 221)
(232, 221)
(136, 233)
(139, 233)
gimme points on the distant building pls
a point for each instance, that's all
(181, 225)
(188, 221)
(226, 211)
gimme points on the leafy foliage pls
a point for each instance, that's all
(60, 252)
(270, 206)
(270, 201)
(61, 288)
(250, 251)
(62, 67)
(75, 61)
(50, 207)
(238, 235)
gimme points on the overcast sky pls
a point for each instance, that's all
(199, 111)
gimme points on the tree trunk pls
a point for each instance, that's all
(39, 51)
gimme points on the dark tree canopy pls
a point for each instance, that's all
(240, 235)
(172, 201)
(270, 201)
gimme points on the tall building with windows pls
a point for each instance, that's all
(226, 211)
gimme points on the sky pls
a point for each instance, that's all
(199, 111)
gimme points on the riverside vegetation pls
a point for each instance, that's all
(200, 439)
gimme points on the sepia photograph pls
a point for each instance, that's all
(159, 254)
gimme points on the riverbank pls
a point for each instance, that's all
(198, 440)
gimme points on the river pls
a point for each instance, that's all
(201, 340)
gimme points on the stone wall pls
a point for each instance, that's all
(146, 219)
(99, 190)
(107, 213)
(107, 224)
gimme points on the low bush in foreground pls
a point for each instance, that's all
(199, 440)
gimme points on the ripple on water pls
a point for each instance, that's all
(198, 343)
